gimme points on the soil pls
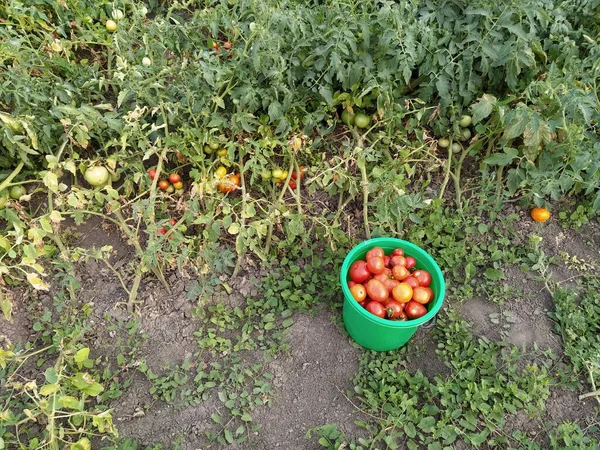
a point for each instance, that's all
(312, 381)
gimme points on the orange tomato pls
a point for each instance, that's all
(540, 214)
(402, 293)
(359, 292)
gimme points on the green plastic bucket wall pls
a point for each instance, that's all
(375, 333)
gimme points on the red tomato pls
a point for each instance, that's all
(402, 293)
(412, 281)
(377, 251)
(377, 291)
(164, 185)
(423, 277)
(414, 310)
(398, 252)
(421, 295)
(173, 222)
(162, 230)
(390, 284)
(359, 292)
(400, 273)
(359, 272)
(398, 261)
(375, 264)
(381, 277)
(351, 283)
(428, 289)
(410, 262)
(386, 261)
(393, 309)
(152, 173)
(364, 302)
(376, 309)
(174, 178)
(293, 184)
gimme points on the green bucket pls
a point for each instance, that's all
(375, 333)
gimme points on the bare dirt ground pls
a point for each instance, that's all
(312, 381)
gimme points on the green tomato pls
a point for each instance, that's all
(170, 189)
(183, 228)
(117, 14)
(97, 176)
(466, 134)
(444, 142)
(115, 176)
(456, 147)
(111, 25)
(146, 61)
(277, 173)
(465, 121)
(16, 192)
(3, 200)
(362, 120)
(266, 174)
(347, 118)
(208, 150)
(214, 145)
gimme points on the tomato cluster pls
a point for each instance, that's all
(173, 184)
(390, 286)
(227, 183)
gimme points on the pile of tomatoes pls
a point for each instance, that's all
(389, 286)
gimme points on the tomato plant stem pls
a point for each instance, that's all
(446, 173)
(240, 246)
(12, 175)
(365, 190)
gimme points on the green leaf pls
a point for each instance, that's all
(493, 274)
(49, 389)
(228, 436)
(82, 444)
(483, 108)
(502, 159)
(51, 375)
(37, 283)
(84, 382)
(216, 418)
(82, 354)
(51, 181)
(70, 402)
(479, 438)
(410, 430)
(246, 417)
(427, 424)
(6, 306)
(286, 323)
